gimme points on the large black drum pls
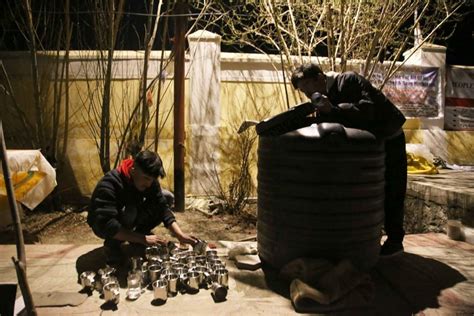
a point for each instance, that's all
(320, 195)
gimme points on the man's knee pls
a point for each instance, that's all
(99, 233)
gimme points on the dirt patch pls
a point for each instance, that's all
(70, 227)
(217, 227)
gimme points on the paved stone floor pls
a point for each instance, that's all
(435, 276)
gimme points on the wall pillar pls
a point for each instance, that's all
(431, 132)
(204, 111)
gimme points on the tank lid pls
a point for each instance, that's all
(331, 131)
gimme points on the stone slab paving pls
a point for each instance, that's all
(434, 277)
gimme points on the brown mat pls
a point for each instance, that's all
(327, 288)
(305, 299)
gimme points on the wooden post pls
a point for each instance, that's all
(178, 139)
(20, 265)
(20, 244)
(24, 287)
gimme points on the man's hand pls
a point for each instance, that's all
(321, 102)
(152, 240)
(187, 239)
(182, 237)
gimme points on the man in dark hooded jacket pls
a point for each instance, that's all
(128, 203)
(351, 100)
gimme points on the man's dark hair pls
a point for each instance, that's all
(304, 71)
(150, 163)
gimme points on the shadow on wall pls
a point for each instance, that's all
(69, 187)
(403, 285)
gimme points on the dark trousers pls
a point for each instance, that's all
(395, 187)
(143, 220)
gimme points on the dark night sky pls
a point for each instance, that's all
(460, 45)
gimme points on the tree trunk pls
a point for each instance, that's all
(35, 76)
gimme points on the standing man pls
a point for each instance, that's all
(350, 99)
(128, 203)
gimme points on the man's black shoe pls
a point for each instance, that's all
(391, 248)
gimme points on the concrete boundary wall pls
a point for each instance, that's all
(220, 88)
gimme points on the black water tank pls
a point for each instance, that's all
(320, 194)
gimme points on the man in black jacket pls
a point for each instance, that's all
(128, 203)
(351, 100)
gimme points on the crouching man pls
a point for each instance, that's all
(128, 203)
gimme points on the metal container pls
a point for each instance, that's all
(183, 260)
(191, 264)
(178, 268)
(104, 275)
(171, 246)
(145, 275)
(218, 266)
(211, 253)
(152, 251)
(134, 285)
(219, 292)
(175, 252)
(154, 272)
(166, 264)
(200, 247)
(165, 272)
(211, 257)
(193, 280)
(201, 260)
(163, 250)
(87, 280)
(165, 257)
(112, 292)
(172, 280)
(455, 229)
(212, 263)
(221, 276)
(154, 259)
(106, 279)
(190, 253)
(160, 290)
(136, 263)
(203, 274)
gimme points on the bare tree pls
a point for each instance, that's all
(112, 27)
(341, 30)
(130, 121)
(47, 76)
(34, 71)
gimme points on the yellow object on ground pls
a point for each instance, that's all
(33, 179)
(420, 165)
(23, 182)
(32, 176)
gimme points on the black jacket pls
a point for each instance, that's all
(116, 203)
(366, 107)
